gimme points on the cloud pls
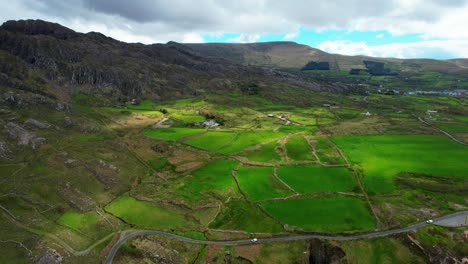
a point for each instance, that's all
(421, 49)
(150, 21)
(380, 36)
(245, 38)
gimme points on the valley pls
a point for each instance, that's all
(188, 155)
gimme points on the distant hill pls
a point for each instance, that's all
(294, 55)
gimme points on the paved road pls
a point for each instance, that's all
(457, 217)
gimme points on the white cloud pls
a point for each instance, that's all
(150, 21)
(380, 36)
(421, 49)
(245, 38)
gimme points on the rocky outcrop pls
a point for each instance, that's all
(51, 256)
(23, 136)
(323, 252)
(4, 151)
(33, 123)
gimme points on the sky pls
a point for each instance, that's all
(393, 28)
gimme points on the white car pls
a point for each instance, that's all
(430, 221)
(253, 240)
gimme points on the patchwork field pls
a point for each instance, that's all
(384, 157)
(240, 215)
(298, 149)
(265, 153)
(172, 133)
(259, 183)
(314, 178)
(145, 214)
(213, 179)
(326, 214)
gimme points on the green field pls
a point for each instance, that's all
(229, 142)
(314, 178)
(172, 133)
(326, 153)
(266, 153)
(249, 138)
(324, 214)
(78, 221)
(145, 214)
(259, 183)
(240, 215)
(298, 149)
(213, 140)
(213, 179)
(384, 157)
(380, 250)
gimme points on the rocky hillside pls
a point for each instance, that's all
(50, 59)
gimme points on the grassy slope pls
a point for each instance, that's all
(259, 183)
(314, 178)
(298, 149)
(383, 157)
(327, 214)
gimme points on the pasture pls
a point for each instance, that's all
(298, 149)
(381, 158)
(259, 183)
(172, 133)
(314, 178)
(324, 214)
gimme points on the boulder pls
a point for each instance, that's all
(34, 123)
(23, 136)
(4, 151)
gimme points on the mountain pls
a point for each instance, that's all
(294, 55)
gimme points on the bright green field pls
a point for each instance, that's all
(314, 178)
(383, 157)
(266, 153)
(240, 215)
(250, 138)
(229, 142)
(454, 128)
(78, 221)
(325, 214)
(326, 153)
(259, 183)
(298, 149)
(213, 140)
(172, 133)
(214, 178)
(145, 214)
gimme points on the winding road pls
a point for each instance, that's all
(458, 219)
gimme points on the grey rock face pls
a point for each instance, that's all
(23, 136)
(34, 123)
(67, 122)
(4, 151)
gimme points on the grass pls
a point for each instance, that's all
(145, 214)
(172, 133)
(266, 153)
(313, 178)
(78, 221)
(213, 179)
(454, 128)
(213, 140)
(381, 158)
(249, 138)
(380, 250)
(91, 137)
(240, 215)
(326, 153)
(298, 149)
(324, 214)
(259, 183)
(229, 142)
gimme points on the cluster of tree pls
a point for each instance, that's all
(312, 65)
